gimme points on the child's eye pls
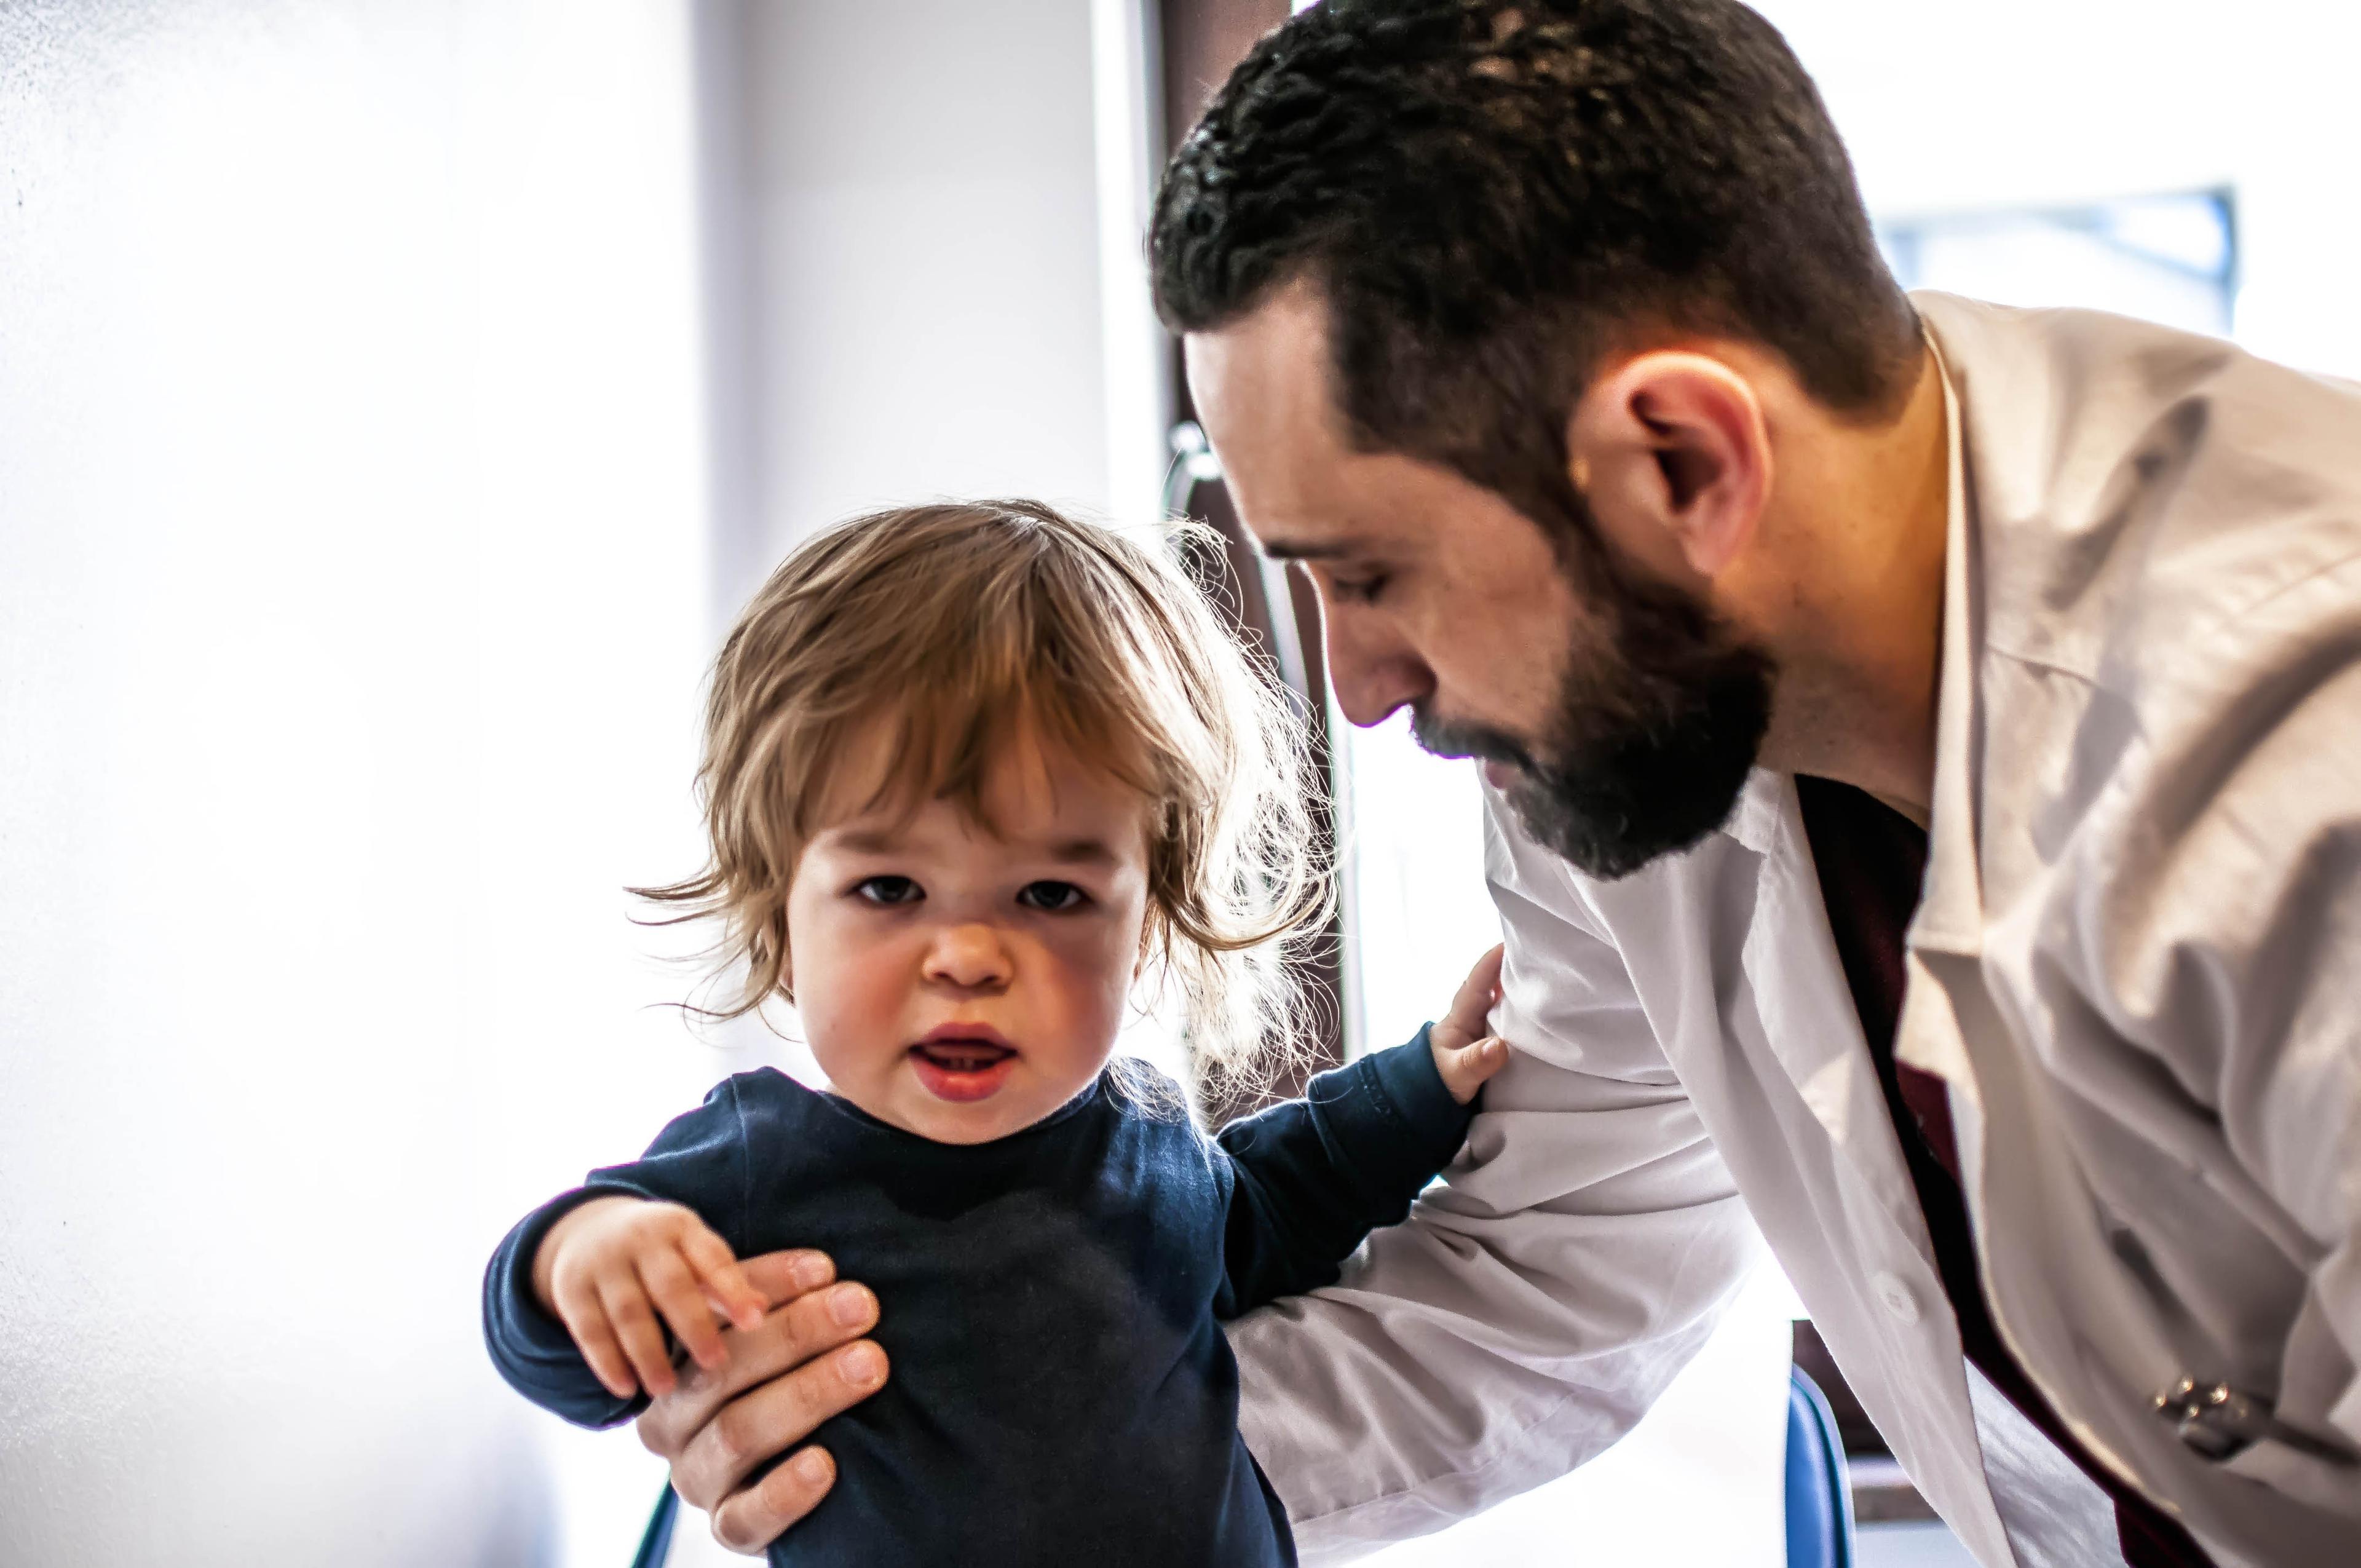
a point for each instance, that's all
(888, 891)
(1363, 591)
(1051, 897)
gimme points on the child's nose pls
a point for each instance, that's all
(972, 957)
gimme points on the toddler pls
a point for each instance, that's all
(976, 775)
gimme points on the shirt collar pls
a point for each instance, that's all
(1951, 914)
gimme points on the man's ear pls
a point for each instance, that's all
(1673, 453)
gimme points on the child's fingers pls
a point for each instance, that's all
(579, 1308)
(1466, 1068)
(1485, 1058)
(635, 1325)
(726, 1283)
(1478, 993)
(672, 1286)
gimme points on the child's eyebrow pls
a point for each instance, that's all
(865, 840)
(882, 841)
(1083, 851)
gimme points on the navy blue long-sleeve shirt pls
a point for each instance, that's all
(1051, 1301)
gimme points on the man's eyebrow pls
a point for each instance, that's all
(1288, 550)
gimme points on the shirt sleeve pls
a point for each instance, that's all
(699, 1161)
(1309, 1178)
(1531, 1308)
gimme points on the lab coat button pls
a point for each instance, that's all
(1899, 1298)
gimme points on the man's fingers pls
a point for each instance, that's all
(635, 1325)
(780, 1277)
(768, 1419)
(586, 1321)
(713, 1444)
(717, 1268)
(750, 1520)
(674, 1289)
(809, 1325)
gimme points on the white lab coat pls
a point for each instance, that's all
(2137, 964)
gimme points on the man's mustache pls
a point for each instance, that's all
(1441, 738)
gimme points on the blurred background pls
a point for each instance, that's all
(398, 396)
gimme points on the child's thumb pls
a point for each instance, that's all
(1470, 1066)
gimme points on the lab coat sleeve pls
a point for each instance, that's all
(2219, 931)
(1531, 1310)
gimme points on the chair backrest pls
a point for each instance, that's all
(1819, 1497)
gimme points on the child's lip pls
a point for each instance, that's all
(962, 1067)
(978, 1034)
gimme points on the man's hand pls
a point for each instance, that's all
(1464, 1053)
(611, 1267)
(780, 1380)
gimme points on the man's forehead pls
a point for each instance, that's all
(1261, 390)
(1263, 378)
(1305, 491)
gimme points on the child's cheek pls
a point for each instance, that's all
(853, 1004)
(1096, 970)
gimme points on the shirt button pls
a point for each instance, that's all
(1899, 1300)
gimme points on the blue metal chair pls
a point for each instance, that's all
(1819, 1498)
(655, 1543)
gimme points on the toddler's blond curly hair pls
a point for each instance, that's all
(963, 625)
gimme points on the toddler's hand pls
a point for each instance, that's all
(610, 1266)
(1464, 1053)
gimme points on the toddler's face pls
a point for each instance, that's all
(962, 984)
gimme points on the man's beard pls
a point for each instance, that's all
(1651, 743)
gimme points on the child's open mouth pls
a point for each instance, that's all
(959, 1068)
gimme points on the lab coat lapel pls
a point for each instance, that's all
(1815, 1030)
(1811, 1023)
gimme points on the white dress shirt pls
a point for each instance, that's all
(2137, 964)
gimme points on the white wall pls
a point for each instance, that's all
(352, 604)
(921, 193)
(1950, 105)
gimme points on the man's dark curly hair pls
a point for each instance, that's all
(1490, 193)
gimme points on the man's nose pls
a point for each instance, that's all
(972, 957)
(1373, 675)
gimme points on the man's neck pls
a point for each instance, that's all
(1859, 645)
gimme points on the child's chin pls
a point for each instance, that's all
(978, 1122)
(1012, 1107)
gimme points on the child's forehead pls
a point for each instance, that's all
(1025, 793)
